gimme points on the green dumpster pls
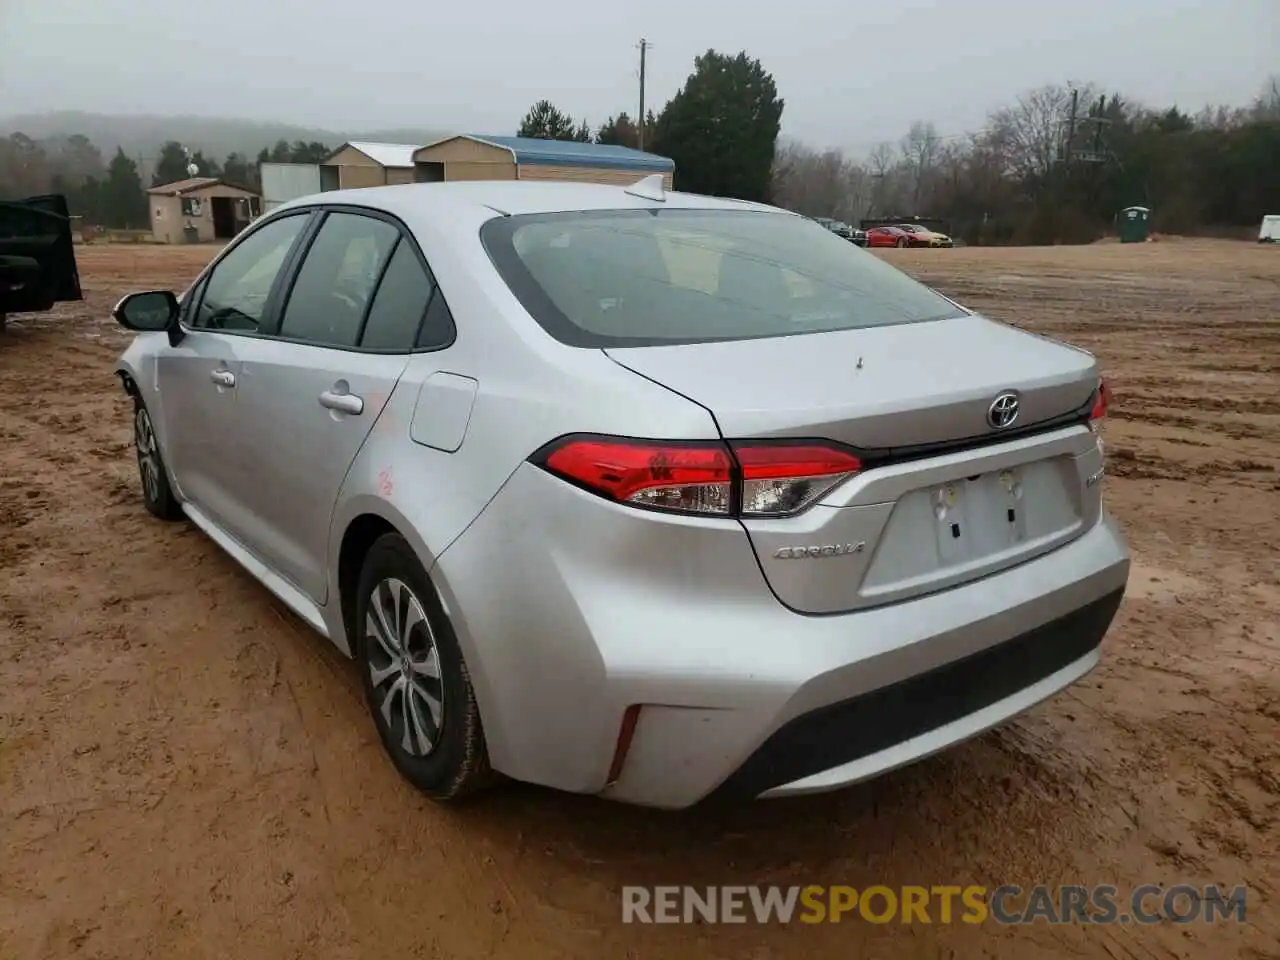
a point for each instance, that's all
(1135, 224)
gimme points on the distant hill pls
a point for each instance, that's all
(141, 135)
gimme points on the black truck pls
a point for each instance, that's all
(37, 256)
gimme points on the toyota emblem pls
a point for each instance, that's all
(1003, 410)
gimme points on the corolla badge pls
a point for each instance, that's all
(1003, 410)
(826, 550)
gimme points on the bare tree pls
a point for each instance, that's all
(886, 182)
(1030, 134)
(1267, 105)
(818, 184)
(919, 150)
(23, 166)
(857, 193)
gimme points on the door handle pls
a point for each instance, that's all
(223, 378)
(342, 402)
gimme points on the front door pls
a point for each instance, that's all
(309, 395)
(199, 379)
(196, 383)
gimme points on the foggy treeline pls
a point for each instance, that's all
(1031, 176)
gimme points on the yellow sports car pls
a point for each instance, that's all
(920, 237)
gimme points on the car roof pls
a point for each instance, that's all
(501, 197)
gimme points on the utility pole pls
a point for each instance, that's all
(644, 47)
(1071, 125)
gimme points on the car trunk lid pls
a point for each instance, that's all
(882, 387)
(944, 496)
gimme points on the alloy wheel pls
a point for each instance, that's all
(404, 666)
(144, 438)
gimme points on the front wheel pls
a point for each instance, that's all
(902, 241)
(157, 495)
(415, 679)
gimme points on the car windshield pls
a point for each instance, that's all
(642, 278)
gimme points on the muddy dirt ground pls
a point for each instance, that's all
(186, 772)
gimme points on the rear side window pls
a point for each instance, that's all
(336, 281)
(641, 278)
(400, 303)
(437, 328)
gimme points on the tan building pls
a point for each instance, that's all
(200, 210)
(362, 163)
(472, 157)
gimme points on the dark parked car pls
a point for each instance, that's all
(37, 257)
(851, 233)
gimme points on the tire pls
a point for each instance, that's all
(902, 242)
(429, 726)
(157, 494)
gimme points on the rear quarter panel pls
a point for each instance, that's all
(530, 389)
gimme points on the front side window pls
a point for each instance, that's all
(336, 281)
(236, 292)
(639, 278)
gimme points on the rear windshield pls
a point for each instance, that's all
(625, 278)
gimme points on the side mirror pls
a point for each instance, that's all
(148, 312)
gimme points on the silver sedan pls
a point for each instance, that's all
(634, 493)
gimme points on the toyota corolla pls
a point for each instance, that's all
(633, 493)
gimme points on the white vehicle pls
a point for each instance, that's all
(1269, 232)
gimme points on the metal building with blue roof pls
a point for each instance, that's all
(486, 157)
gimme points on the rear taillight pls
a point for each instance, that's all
(1098, 412)
(747, 479)
(1101, 400)
(689, 478)
(779, 479)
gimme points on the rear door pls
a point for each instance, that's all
(310, 393)
(38, 230)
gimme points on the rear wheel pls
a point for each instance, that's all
(415, 679)
(157, 495)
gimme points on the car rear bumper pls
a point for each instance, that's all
(570, 614)
(866, 735)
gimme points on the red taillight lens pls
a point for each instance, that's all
(1101, 401)
(690, 478)
(786, 478)
(758, 479)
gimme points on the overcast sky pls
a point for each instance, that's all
(852, 72)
